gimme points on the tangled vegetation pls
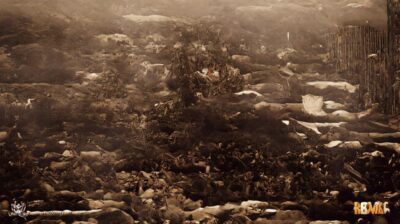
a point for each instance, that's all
(200, 65)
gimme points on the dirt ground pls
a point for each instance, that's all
(151, 112)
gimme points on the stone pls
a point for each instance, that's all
(58, 166)
(268, 221)
(68, 154)
(380, 220)
(240, 219)
(149, 193)
(289, 215)
(82, 222)
(4, 205)
(117, 196)
(52, 156)
(101, 191)
(91, 155)
(3, 136)
(241, 58)
(95, 204)
(190, 205)
(96, 195)
(40, 221)
(114, 216)
(334, 194)
(69, 195)
(92, 220)
(47, 187)
(39, 149)
(291, 205)
(329, 222)
(174, 214)
(101, 204)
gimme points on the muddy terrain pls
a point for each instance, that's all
(188, 112)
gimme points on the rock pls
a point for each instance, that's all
(329, 222)
(96, 204)
(92, 220)
(241, 58)
(274, 107)
(117, 197)
(101, 204)
(98, 166)
(199, 215)
(240, 219)
(41, 221)
(114, 216)
(174, 214)
(91, 155)
(302, 222)
(68, 153)
(283, 54)
(190, 205)
(47, 187)
(100, 191)
(291, 205)
(254, 204)
(289, 215)
(287, 70)
(311, 154)
(59, 166)
(390, 145)
(37, 205)
(4, 205)
(380, 220)
(334, 194)
(69, 195)
(3, 136)
(268, 88)
(247, 78)
(52, 156)
(149, 193)
(82, 222)
(268, 221)
(97, 195)
(39, 149)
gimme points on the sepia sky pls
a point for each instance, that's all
(335, 11)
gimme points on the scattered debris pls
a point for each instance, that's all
(135, 137)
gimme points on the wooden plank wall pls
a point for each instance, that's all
(363, 51)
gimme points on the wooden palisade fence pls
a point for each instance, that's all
(374, 56)
(362, 51)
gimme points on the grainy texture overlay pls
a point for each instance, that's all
(199, 111)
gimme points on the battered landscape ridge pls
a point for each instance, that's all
(199, 111)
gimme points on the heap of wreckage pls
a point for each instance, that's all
(276, 143)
